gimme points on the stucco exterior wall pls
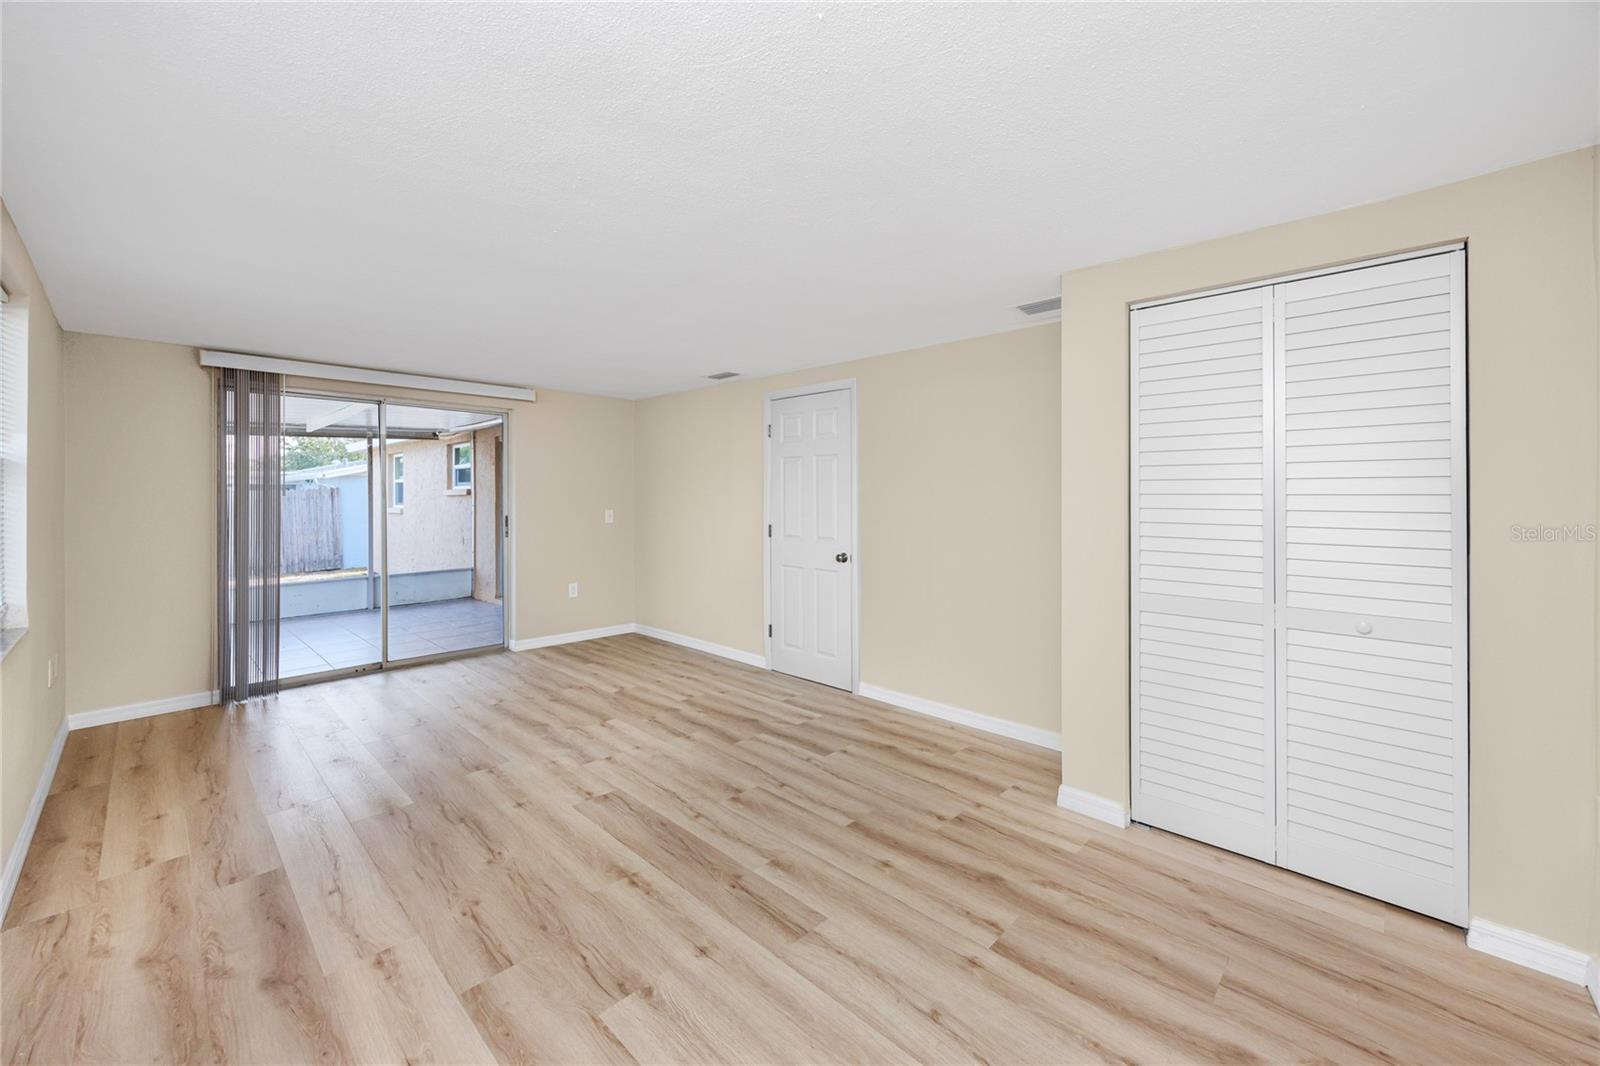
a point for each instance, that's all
(432, 530)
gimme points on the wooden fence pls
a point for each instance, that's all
(311, 538)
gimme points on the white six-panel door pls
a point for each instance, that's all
(811, 506)
(1364, 436)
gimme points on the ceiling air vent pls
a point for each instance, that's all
(723, 375)
(1041, 307)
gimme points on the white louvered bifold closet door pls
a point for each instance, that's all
(1202, 582)
(1299, 576)
(1372, 581)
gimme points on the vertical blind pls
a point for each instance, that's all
(13, 463)
(249, 555)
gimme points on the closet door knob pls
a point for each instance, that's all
(1363, 627)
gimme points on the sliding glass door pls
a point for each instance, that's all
(393, 533)
(444, 528)
(329, 600)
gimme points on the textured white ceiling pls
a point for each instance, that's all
(622, 199)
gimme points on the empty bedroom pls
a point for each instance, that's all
(733, 533)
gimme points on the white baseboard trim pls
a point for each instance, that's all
(30, 822)
(749, 658)
(129, 711)
(1534, 952)
(987, 723)
(1091, 806)
(554, 639)
(1594, 982)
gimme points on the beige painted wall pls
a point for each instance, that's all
(959, 517)
(30, 710)
(571, 457)
(141, 581)
(1532, 419)
(140, 522)
(960, 514)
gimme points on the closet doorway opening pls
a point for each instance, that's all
(393, 534)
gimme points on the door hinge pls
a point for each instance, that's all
(769, 429)
(769, 629)
(769, 530)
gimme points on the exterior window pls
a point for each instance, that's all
(13, 470)
(398, 497)
(461, 466)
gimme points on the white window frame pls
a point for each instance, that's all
(13, 471)
(455, 484)
(397, 482)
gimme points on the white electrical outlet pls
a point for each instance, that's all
(572, 591)
(611, 516)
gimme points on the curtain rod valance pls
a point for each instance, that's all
(331, 372)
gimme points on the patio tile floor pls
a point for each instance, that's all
(315, 643)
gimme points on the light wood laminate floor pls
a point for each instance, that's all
(622, 851)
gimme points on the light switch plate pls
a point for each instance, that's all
(610, 516)
(572, 591)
